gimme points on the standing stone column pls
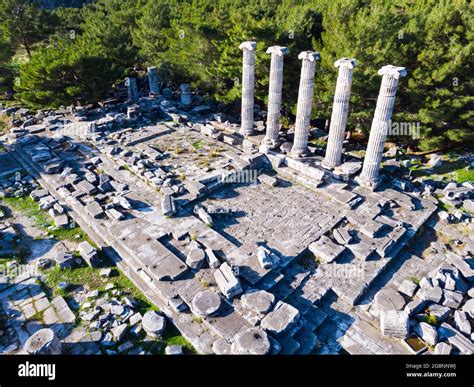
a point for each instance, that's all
(379, 129)
(340, 109)
(248, 81)
(274, 95)
(153, 80)
(305, 101)
(132, 88)
(186, 97)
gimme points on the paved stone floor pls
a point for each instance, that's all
(7, 164)
(287, 217)
(28, 309)
(334, 314)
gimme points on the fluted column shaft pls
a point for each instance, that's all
(305, 101)
(340, 110)
(379, 129)
(274, 95)
(248, 83)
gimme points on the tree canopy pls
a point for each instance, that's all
(78, 54)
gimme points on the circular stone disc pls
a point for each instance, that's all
(206, 303)
(221, 347)
(259, 301)
(40, 341)
(153, 323)
(253, 341)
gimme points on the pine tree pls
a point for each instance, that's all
(22, 22)
(432, 39)
(6, 71)
(107, 30)
(62, 74)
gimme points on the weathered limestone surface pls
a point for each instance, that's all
(88, 253)
(174, 350)
(379, 129)
(153, 323)
(196, 256)
(253, 341)
(281, 318)
(340, 110)
(427, 332)
(43, 342)
(228, 283)
(248, 84)
(167, 205)
(456, 339)
(153, 80)
(394, 324)
(206, 303)
(305, 102)
(286, 218)
(326, 249)
(442, 349)
(259, 301)
(132, 88)
(389, 299)
(274, 95)
(186, 97)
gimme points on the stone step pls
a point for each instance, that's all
(293, 277)
(270, 280)
(289, 346)
(275, 346)
(307, 340)
(315, 317)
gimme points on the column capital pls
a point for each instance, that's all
(277, 50)
(248, 46)
(309, 55)
(393, 71)
(347, 62)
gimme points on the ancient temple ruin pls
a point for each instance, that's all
(244, 237)
(382, 116)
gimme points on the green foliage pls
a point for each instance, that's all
(433, 40)
(196, 41)
(63, 73)
(27, 206)
(90, 277)
(23, 24)
(5, 124)
(107, 30)
(6, 70)
(431, 319)
(90, 50)
(68, 21)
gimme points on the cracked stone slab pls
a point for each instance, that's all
(389, 299)
(260, 301)
(282, 318)
(253, 341)
(206, 303)
(326, 249)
